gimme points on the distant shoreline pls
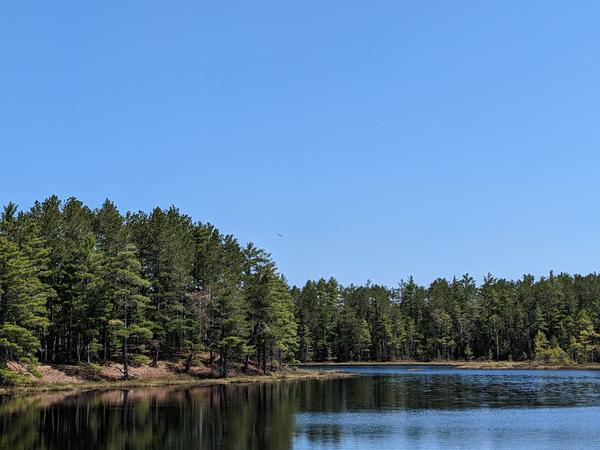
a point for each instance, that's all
(524, 365)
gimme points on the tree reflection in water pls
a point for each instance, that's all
(227, 417)
(274, 415)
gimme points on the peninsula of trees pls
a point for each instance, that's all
(95, 285)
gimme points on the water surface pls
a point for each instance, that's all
(383, 407)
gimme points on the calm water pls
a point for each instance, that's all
(383, 408)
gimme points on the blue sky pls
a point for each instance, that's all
(382, 139)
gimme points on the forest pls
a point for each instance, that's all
(82, 285)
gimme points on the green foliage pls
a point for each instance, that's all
(542, 349)
(17, 343)
(589, 339)
(165, 239)
(10, 378)
(281, 336)
(455, 320)
(468, 352)
(22, 293)
(549, 353)
(140, 360)
(228, 311)
(89, 286)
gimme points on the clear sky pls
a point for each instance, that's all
(381, 138)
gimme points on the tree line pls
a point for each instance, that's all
(96, 285)
(553, 319)
(83, 285)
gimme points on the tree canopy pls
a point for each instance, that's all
(80, 284)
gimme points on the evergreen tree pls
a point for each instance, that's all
(282, 335)
(166, 248)
(229, 323)
(125, 285)
(588, 337)
(22, 305)
(541, 346)
(258, 279)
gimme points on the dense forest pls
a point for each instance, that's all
(96, 285)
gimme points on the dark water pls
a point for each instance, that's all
(382, 408)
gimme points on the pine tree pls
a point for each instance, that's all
(541, 346)
(306, 314)
(353, 336)
(166, 247)
(108, 224)
(282, 335)
(125, 284)
(229, 323)
(258, 278)
(22, 305)
(23, 232)
(327, 303)
(574, 349)
(218, 262)
(588, 337)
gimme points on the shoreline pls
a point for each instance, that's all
(472, 365)
(184, 381)
(297, 372)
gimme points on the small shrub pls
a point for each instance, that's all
(92, 369)
(33, 370)
(10, 378)
(139, 360)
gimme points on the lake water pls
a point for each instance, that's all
(383, 407)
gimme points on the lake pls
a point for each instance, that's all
(382, 407)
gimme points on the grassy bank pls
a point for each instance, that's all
(524, 365)
(84, 378)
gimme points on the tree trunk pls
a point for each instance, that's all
(125, 360)
(125, 350)
(55, 348)
(154, 357)
(78, 348)
(104, 345)
(223, 363)
(497, 347)
(188, 363)
(258, 353)
(264, 359)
